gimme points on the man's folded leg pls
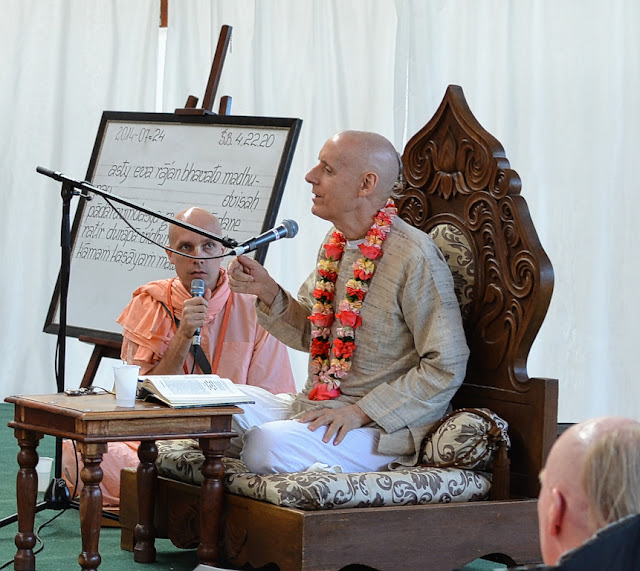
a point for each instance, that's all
(289, 446)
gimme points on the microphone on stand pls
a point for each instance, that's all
(60, 177)
(197, 290)
(287, 229)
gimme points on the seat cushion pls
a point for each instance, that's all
(457, 454)
(181, 460)
(325, 490)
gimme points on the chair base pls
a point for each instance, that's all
(256, 533)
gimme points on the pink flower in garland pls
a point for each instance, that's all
(321, 332)
(316, 365)
(350, 304)
(339, 369)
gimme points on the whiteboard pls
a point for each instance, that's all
(235, 167)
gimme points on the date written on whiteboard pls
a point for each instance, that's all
(246, 139)
(131, 134)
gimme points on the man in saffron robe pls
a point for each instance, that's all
(379, 317)
(159, 324)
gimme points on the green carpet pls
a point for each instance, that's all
(61, 538)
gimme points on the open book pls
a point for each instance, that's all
(191, 390)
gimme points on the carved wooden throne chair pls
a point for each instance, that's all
(466, 499)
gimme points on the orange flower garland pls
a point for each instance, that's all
(328, 372)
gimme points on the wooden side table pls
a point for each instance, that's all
(95, 420)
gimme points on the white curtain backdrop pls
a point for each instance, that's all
(556, 81)
(62, 63)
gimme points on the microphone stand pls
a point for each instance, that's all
(88, 187)
(57, 495)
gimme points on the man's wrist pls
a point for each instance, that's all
(365, 418)
(183, 336)
(268, 297)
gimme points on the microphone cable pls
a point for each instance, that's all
(157, 243)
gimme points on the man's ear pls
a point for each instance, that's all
(169, 255)
(557, 512)
(368, 183)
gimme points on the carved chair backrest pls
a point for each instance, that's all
(460, 188)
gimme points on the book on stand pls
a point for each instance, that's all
(180, 391)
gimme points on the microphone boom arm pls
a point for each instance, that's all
(88, 187)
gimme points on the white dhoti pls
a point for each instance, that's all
(270, 442)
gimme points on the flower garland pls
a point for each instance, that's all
(328, 372)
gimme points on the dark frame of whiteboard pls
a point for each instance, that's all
(290, 126)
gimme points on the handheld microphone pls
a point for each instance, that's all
(197, 290)
(287, 229)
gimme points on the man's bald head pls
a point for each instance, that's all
(354, 177)
(567, 512)
(196, 217)
(371, 152)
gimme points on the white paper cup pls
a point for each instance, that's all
(43, 468)
(126, 383)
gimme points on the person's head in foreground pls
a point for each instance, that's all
(591, 479)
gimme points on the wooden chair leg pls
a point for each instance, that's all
(128, 508)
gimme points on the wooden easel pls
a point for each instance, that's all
(101, 348)
(104, 348)
(212, 84)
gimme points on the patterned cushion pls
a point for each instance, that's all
(456, 249)
(181, 460)
(324, 490)
(466, 438)
(461, 438)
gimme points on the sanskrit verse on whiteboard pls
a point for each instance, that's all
(229, 170)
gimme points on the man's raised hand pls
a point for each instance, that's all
(248, 276)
